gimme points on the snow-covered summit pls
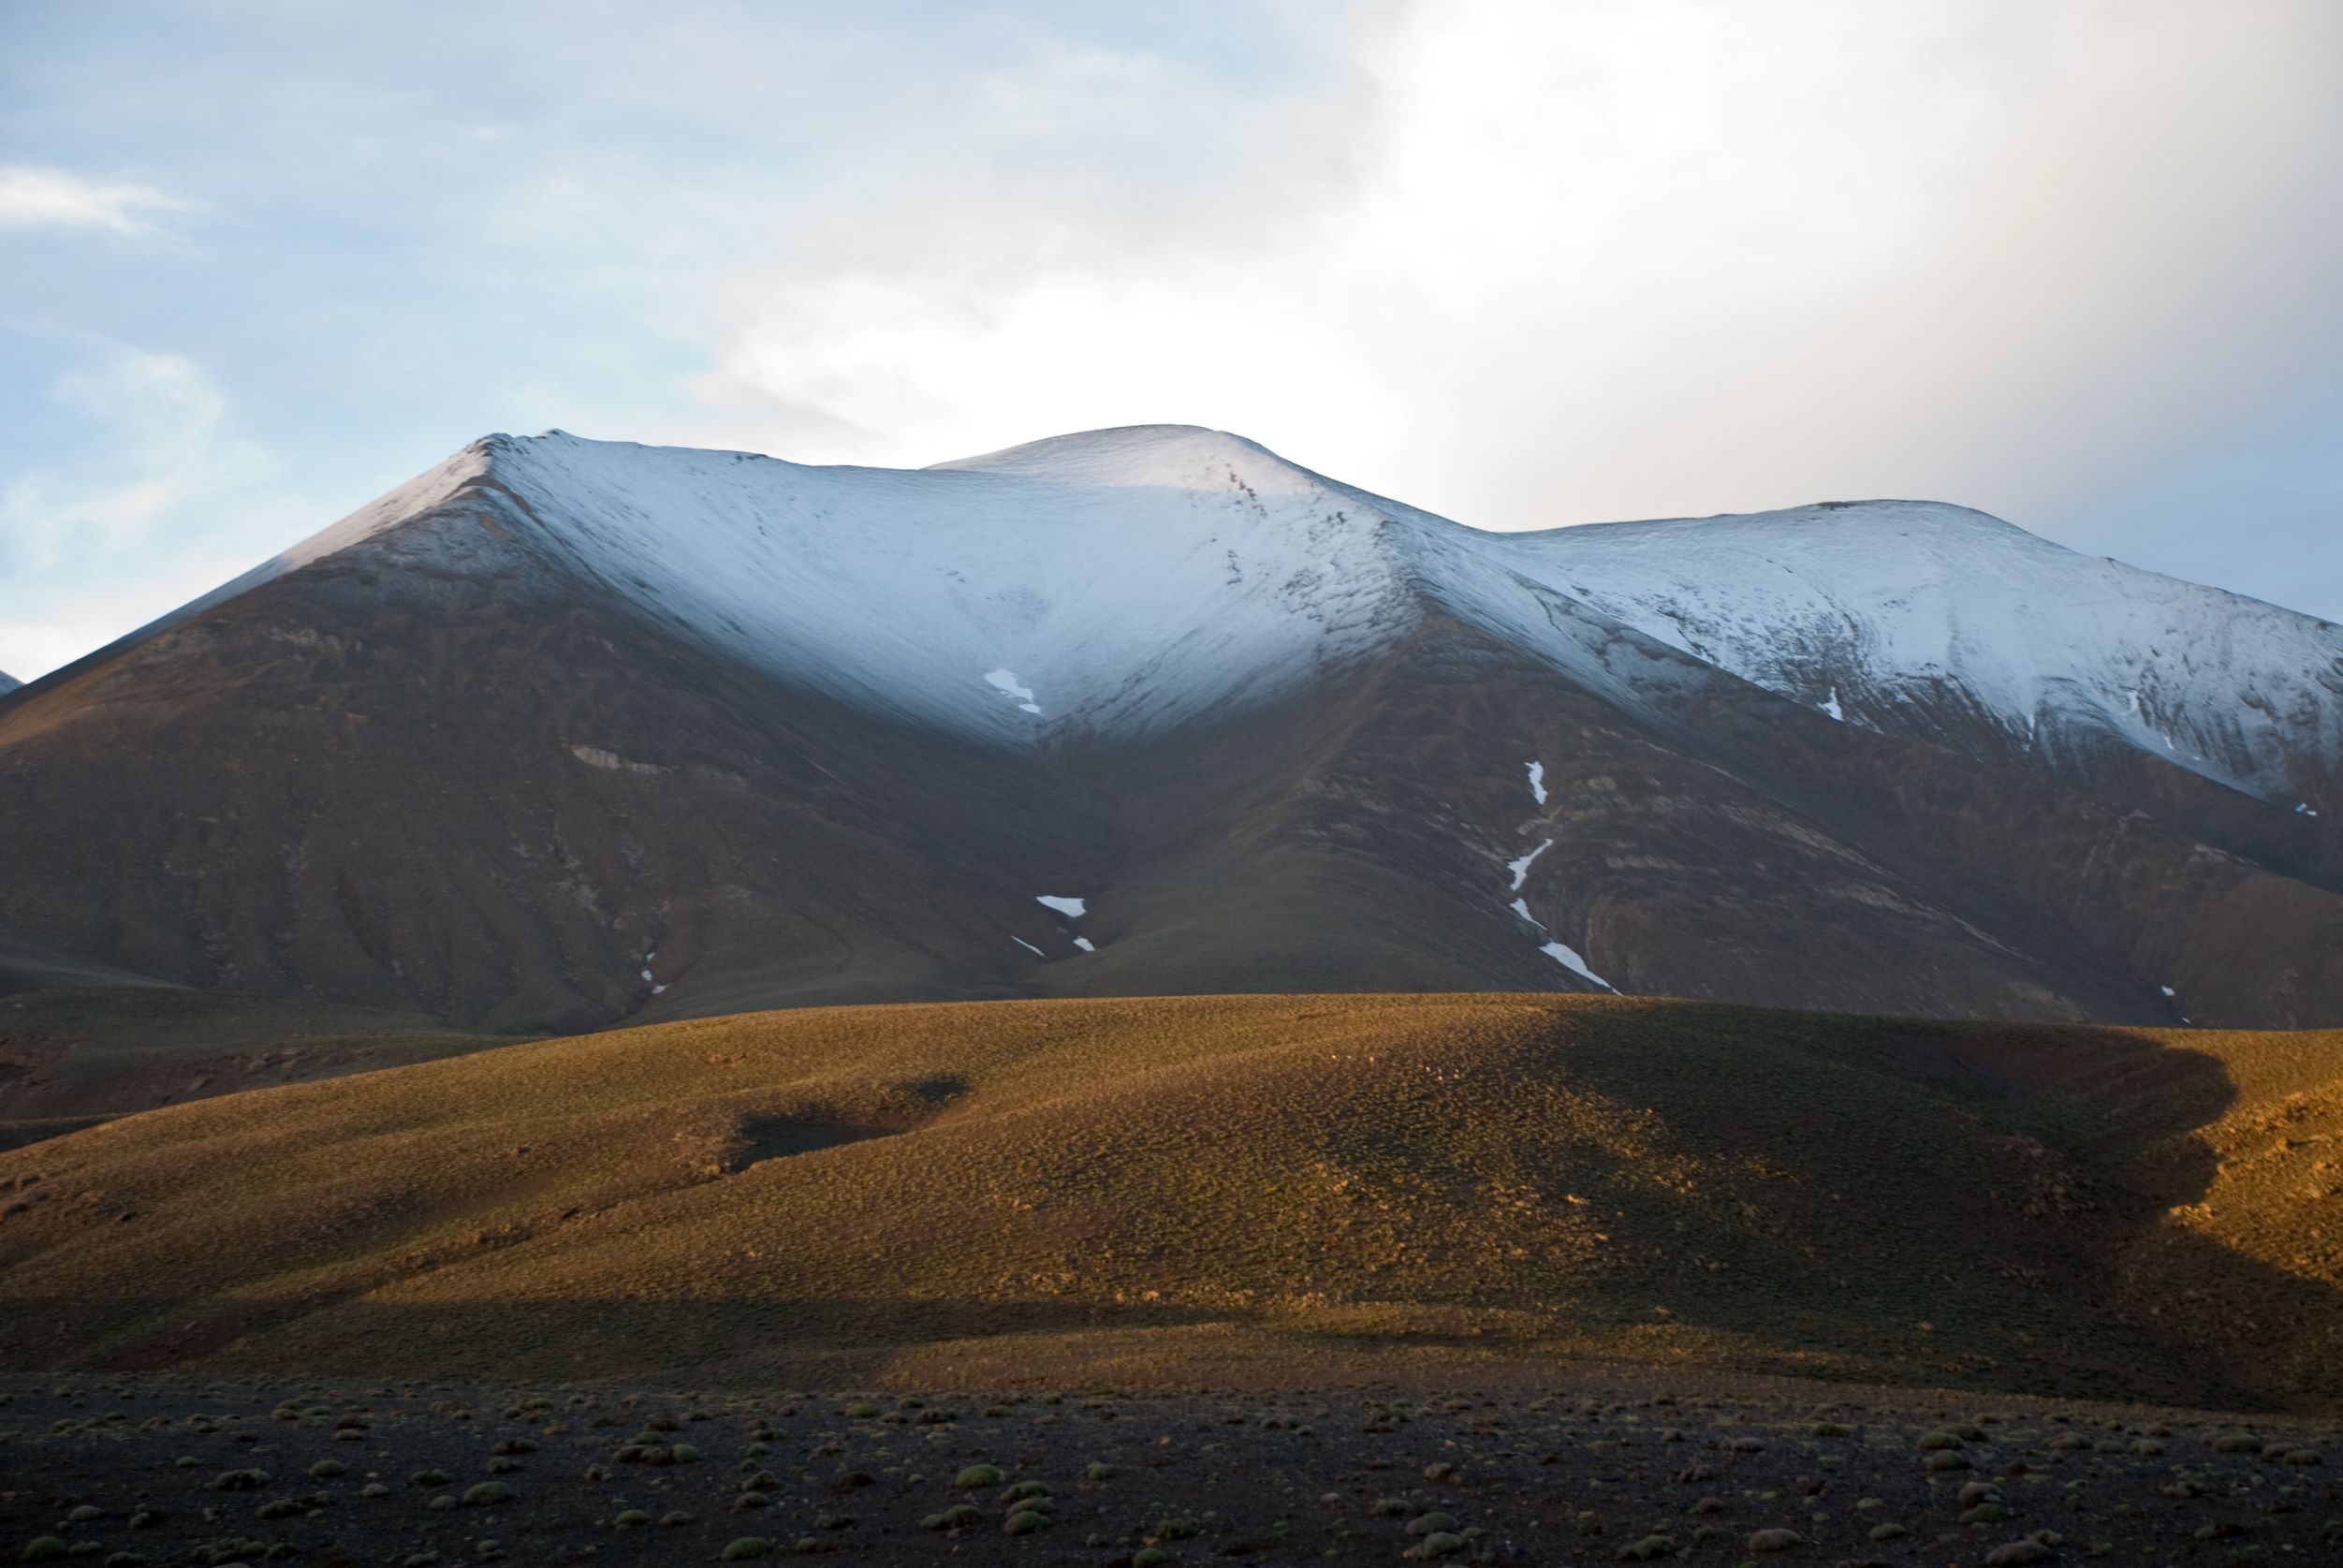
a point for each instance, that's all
(1125, 579)
(1138, 576)
(1901, 614)
(1174, 457)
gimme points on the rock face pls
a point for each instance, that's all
(565, 732)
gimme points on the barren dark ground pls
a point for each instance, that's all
(1602, 1464)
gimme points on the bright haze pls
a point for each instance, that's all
(1523, 264)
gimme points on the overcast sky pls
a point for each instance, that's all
(1522, 262)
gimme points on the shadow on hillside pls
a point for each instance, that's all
(16, 1135)
(830, 1342)
(2081, 1282)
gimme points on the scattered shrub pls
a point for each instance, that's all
(958, 1516)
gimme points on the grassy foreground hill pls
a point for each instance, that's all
(1268, 1190)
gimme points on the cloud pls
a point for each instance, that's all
(2147, 271)
(35, 198)
(1633, 257)
(126, 521)
(1529, 225)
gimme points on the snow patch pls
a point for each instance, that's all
(1084, 943)
(1029, 947)
(1007, 682)
(1568, 957)
(1830, 706)
(1537, 781)
(1521, 867)
(1562, 953)
(1074, 907)
(594, 757)
(2166, 990)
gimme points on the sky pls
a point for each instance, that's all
(1526, 263)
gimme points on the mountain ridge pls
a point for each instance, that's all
(563, 732)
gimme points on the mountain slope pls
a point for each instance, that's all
(564, 732)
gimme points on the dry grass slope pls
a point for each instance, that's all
(80, 1052)
(1269, 1189)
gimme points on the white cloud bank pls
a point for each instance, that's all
(1627, 257)
(35, 198)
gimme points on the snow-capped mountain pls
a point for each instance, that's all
(9, 682)
(567, 730)
(1138, 576)
(1917, 618)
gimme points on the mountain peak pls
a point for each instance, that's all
(1176, 457)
